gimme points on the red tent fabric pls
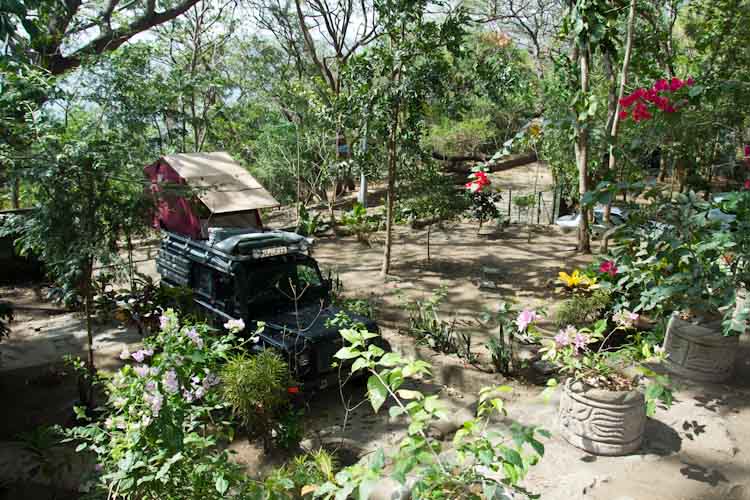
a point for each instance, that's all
(173, 212)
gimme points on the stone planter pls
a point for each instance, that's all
(602, 422)
(699, 351)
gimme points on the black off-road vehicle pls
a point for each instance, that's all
(268, 277)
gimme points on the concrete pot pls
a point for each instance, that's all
(602, 422)
(699, 351)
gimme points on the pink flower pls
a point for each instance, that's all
(580, 341)
(142, 370)
(623, 115)
(562, 339)
(525, 318)
(676, 84)
(747, 150)
(139, 356)
(195, 337)
(747, 184)
(608, 267)
(163, 321)
(690, 82)
(155, 400)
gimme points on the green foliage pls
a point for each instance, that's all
(580, 310)
(308, 223)
(428, 327)
(255, 387)
(488, 462)
(675, 262)
(460, 137)
(151, 439)
(295, 480)
(360, 223)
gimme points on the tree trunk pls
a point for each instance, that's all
(615, 122)
(582, 158)
(15, 194)
(390, 192)
(91, 367)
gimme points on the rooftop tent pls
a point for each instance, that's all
(198, 191)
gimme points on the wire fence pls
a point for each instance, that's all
(522, 206)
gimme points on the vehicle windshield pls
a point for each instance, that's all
(277, 286)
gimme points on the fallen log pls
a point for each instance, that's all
(506, 163)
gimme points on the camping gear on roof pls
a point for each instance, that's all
(198, 191)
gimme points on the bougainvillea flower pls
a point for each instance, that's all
(690, 82)
(747, 150)
(676, 84)
(747, 184)
(608, 267)
(661, 85)
(525, 318)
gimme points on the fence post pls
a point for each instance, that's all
(554, 204)
(539, 208)
(510, 213)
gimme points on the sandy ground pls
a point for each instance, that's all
(696, 450)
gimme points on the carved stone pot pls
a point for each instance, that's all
(699, 351)
(602, 422)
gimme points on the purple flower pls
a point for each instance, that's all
(163, 321)
(142, 370)
(147, 352)
(525, 318)
(188, 395)
(199, 392)
(210, 381)
(155, 401)
(150, 386)
(139, 356)
(195, 337)
(98, 467)
(170, 382)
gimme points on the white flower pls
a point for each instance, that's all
(235, 325)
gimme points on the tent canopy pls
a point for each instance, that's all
(222, 184)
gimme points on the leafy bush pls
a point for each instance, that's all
(490, 464)
(430, 329)
(296, 479)
(308, 223)
(580, 310)
(256, 389)
(360, 223)
(151, 440)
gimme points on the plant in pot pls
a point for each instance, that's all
(604, 402)
(737, 259)
(694, 288)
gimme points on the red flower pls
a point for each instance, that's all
(293, 390)
(676, 84)
(747, 184)
(623, 115)
(690, 82)
(608, 267)
(661, 85)
(747, 150)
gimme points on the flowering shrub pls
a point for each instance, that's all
(151, 439)
(483, 201)
(511, 325)
(636, 105)
(608, 267)
(572, 351)
(477, 181)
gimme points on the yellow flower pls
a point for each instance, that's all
(576, 279)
